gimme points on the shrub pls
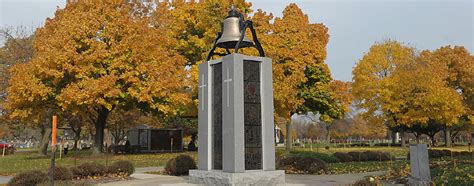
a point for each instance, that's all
(61, 173)
(343, 157)
(433, 153)
(386, 156)
(368, 181)
(306, 165)
(89, 169)
(122, 167)
(358, 156)
(28, 178)
(372, 155)
(180, 165)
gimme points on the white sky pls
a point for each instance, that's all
(354, 25)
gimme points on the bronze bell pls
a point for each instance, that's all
(232, 31)
(233, 35)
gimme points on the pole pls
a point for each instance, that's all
(53, 147)
(3, 154)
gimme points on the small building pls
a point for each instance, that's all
(147, 139)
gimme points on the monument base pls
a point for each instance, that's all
(251, 177)
(418, 182)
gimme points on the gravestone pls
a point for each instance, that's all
(419, 165)
(236, 127)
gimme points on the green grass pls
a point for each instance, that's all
(23, 161)
(368, 166)
(458, 172)
(29, 160)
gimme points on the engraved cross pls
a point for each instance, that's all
(227, 81)
(202, 87)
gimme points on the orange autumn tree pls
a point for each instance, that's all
(455, 67)
(373, 75)
(406, 90)
(298, 50)
(100, 56)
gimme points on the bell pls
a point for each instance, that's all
(231, 32)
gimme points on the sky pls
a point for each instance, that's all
(354, 25)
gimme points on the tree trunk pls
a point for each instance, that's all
(402, 136)
(46, 135)
(328, 134)
(102, 115)
(288, 136)
(417, 138)
(394, 136)
(77, 136)
(447, 137)
(432, 137)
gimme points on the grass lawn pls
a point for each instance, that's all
(23, 161)
(29, 160)
(458, 172)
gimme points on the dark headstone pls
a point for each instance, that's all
(217, 115)
(252, 116)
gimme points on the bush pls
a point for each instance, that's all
(305, 165)
(386, 156)
(89, 169)
(180, 165)
(343, 157)
(358, 156)
(28, 178)
(433, 153)
(372, 155)
(61, 173)
(122, 167)
(368, 181)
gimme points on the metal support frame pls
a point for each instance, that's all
(243, 27)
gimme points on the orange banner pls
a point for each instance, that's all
(54, 128)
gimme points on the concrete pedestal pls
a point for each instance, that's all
(247, 178)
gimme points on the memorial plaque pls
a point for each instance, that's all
(217, 115)
(252, 116)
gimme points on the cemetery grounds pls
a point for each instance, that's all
(449, 170)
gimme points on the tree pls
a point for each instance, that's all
(120, 121)
(372, 76)
(404, 88)
(18, 49)
(458, 65)
(100, 56)
(194, 25)
(298, 51)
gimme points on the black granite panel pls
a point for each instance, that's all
(252, 116)
(217, 115)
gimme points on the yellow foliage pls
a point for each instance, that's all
(99, 54)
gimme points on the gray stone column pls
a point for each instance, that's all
(204, 118)
(268, 137)
(232, 114)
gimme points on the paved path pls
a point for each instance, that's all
(143, 179)
(5, 179)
